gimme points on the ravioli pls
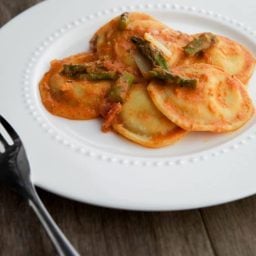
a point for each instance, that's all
(72, 99)
(141, 122)
(229, 55)
(153, 84)
(220, 102)
(111, 42)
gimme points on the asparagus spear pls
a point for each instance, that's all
(88, 71)
(200, 44)
(101, 75)
(123, 21)
(73, 71)
(119, 90)
(171, 78)
(152, 53)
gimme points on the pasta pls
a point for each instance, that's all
(219, 103)
(141, 122)
(152, 84)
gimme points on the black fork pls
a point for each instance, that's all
(15, 171)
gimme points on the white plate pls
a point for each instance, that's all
(76, 160)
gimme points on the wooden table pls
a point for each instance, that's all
(229, 229)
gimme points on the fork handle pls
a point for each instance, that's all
(60, 242)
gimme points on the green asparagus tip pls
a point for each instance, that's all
(200, 44)
(120, 88)
(87, 71)
(152, 53)
(170, 78)
(123, 21)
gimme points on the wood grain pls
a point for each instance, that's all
(11, 8)
(232, 227)
(100, 231)
(223, 230)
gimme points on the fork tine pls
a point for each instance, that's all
(3, 140)
(9, 129)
